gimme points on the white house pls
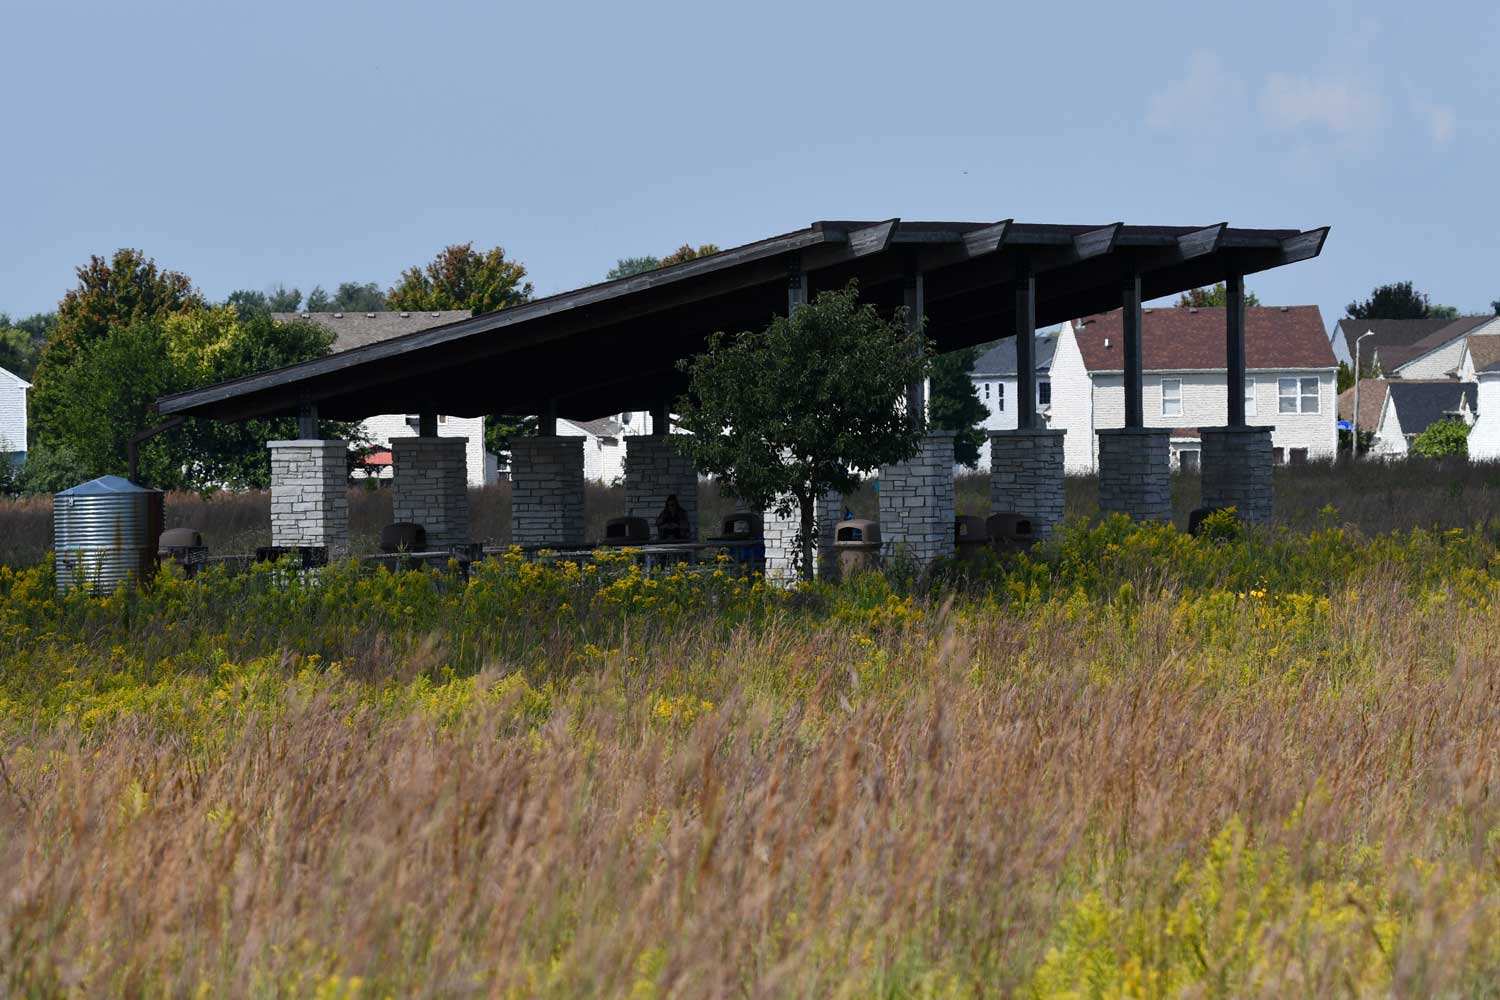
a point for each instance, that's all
(1409, 348)
(1289, 383)
(358, 329)
(604, 442)
(13, 389)
(994, 378)
(1410, 407)
(1480, 354)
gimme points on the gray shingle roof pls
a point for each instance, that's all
(356, 329)
(1421, 404)
(998, 358)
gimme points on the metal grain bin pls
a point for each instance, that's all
(105, 534)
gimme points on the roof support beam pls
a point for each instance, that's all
(1130, 302)
(872, 239)
(1234, 347)
(987, 240)
(796, 283)
(1025, 345)
(913, 300)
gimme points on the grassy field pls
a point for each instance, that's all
(1133, 764)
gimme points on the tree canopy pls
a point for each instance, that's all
(1213, 297)
(1398, 300)
(954, 404)
(627, 266)
(461, 277)
(784, 415)
(350, 297)
(127, 337)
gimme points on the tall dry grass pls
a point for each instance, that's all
(846, 795)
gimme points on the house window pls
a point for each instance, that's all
(1044, 394)
(1187, 461)
(986, 390)
(1297, 395)
(1171, 397)
(1250, 397)
(1297, 456)
(999, 397)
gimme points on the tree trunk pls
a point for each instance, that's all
(806, 536)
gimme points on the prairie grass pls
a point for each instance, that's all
(1133, 764)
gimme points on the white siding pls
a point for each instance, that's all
(380, 430)
(1072, 404)
(1436, 363)
(13, 390)
(1388, 442)
(1484, 438)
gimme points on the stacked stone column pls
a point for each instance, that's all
(654, 470)
(1026, 476)
(782, 551)
(430, 487)
(1135, 473)
(1236, 471)
(310, 495)
(916, 502)
(546, 493)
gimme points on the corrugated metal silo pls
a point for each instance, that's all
(105, 533)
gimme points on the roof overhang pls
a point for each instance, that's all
(615, 346)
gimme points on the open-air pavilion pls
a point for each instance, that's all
(615, 346)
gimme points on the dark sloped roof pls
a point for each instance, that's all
(618, 345)
(1394, 356)
(1421, 404)
(356, 329)
(1178, 338)
(1371, 401)
(602, 427)
(1389, 332)
(1485, 353)
(999, 357)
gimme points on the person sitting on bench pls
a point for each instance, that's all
(672, 522)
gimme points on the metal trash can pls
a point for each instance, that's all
(403, 536)
(743, 539)
(183, 546)
(105, 533)
(971, 536)
(1010, 532)
(856, 546)
(627, 531)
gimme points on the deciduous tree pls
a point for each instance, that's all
(1212, 297)
(783, 415)
(462, 278)
(1398, 300)
(1442, 439)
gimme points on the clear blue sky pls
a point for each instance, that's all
(249, 144)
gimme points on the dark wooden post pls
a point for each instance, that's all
(661, 418)
(307, 421)
(546, 423)
(916, 393)
(1025, 346)
(427, 423)
(1234, 347)
(796, 283)
(1135, 412)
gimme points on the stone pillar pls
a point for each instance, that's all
(781, 540)
(653, 471)
(546, 492)
(1026, 476)
(430, 487)
(1135, 473)
(916, 502)
(310, 495)
(1236, 471)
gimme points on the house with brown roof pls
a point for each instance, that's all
(1289, 380)
(1410, 348)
